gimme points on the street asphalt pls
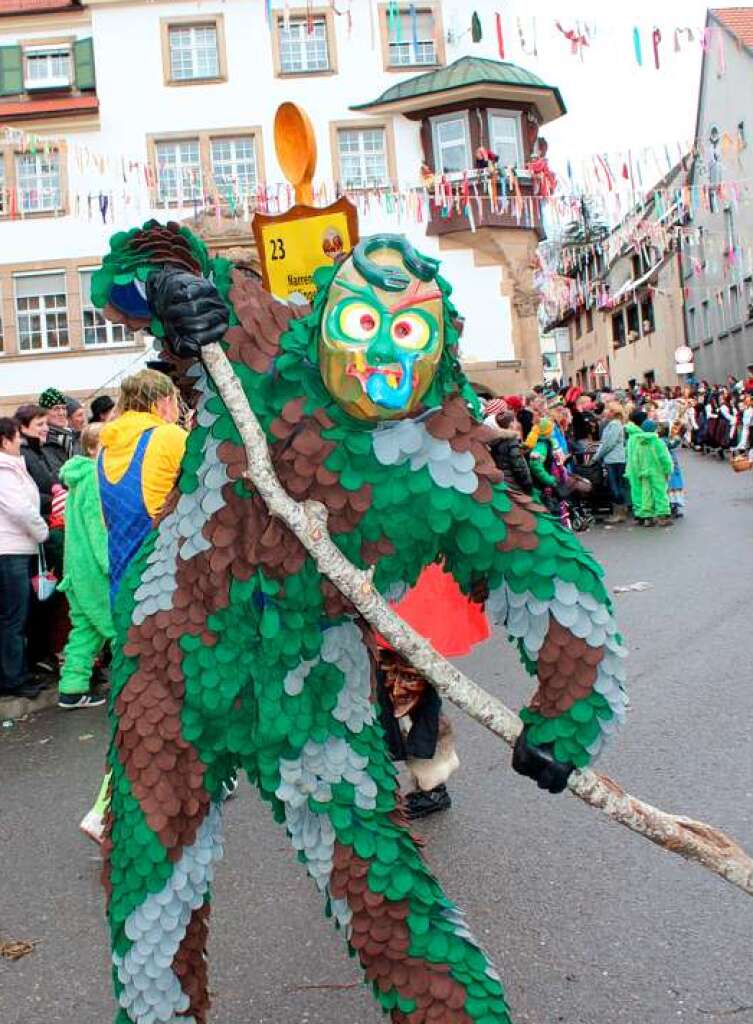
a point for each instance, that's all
(587, 923)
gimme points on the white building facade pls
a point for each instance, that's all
(120, 111)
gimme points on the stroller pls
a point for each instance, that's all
(570, 504)
(596, 502)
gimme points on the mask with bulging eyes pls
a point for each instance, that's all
(382, 331)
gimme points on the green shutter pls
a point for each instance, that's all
(11, 70)
(83, 54)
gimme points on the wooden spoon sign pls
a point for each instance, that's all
(296, 150)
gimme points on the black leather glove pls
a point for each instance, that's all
(539, 763)
(190, 308)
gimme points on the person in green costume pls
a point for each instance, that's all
(233, 651)
(86, 576)
(649, 467)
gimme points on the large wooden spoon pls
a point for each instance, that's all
(296, 150)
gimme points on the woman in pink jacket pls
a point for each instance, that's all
(21, 531)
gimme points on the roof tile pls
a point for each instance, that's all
(8, 7)
(462, 72)
(15, 111)
(739, 21)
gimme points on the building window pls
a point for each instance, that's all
(234, 168)
(41, 312)
(3, 204)
(411, 36)
(193, 51)
(223, 168)
(692, 324)
(633, 323)
(304, 45)
(450, 137)
(178, 171)
(38, 182)
(647, 315)
(729, 230)
(589, 321)
(97, 330)
(362, 157)
(706, 318)
(618, 329)
(47, 67)
(504, 138)
(578, 327)
(734, 306)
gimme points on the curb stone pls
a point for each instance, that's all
(12, 708)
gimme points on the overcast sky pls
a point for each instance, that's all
(613, 103)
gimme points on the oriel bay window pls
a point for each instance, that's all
(206, 168)
(41, 312)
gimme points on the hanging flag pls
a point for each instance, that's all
(500, 37)
(477, 33)
(637, 46)
(656, 40)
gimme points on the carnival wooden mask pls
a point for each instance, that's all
(382, 330)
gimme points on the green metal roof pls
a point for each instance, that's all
(464, 72)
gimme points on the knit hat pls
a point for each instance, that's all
(649, 426)
(514, 402)
(72, 405)
(52, 397)
(494, 406)
(100, 407)
(639, 417)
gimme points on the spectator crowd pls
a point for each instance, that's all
(71, 482)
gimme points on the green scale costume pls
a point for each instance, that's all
(234, 651)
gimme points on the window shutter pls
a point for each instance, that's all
(83, 54)
(11, 70)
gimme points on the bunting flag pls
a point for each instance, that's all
(656, 40)
(500, 37)
(637, 46)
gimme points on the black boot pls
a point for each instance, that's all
(421, 804)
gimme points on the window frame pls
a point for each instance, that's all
(46, 349)
(511, 115)
(387, 126)
(456, 115)
(199, 20)
(440, 52)
(110, 327)
(205, 138)
(325, 14)
(706, 319)
(8, 154)
(619, 337)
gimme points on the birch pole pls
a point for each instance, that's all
(693, 840)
